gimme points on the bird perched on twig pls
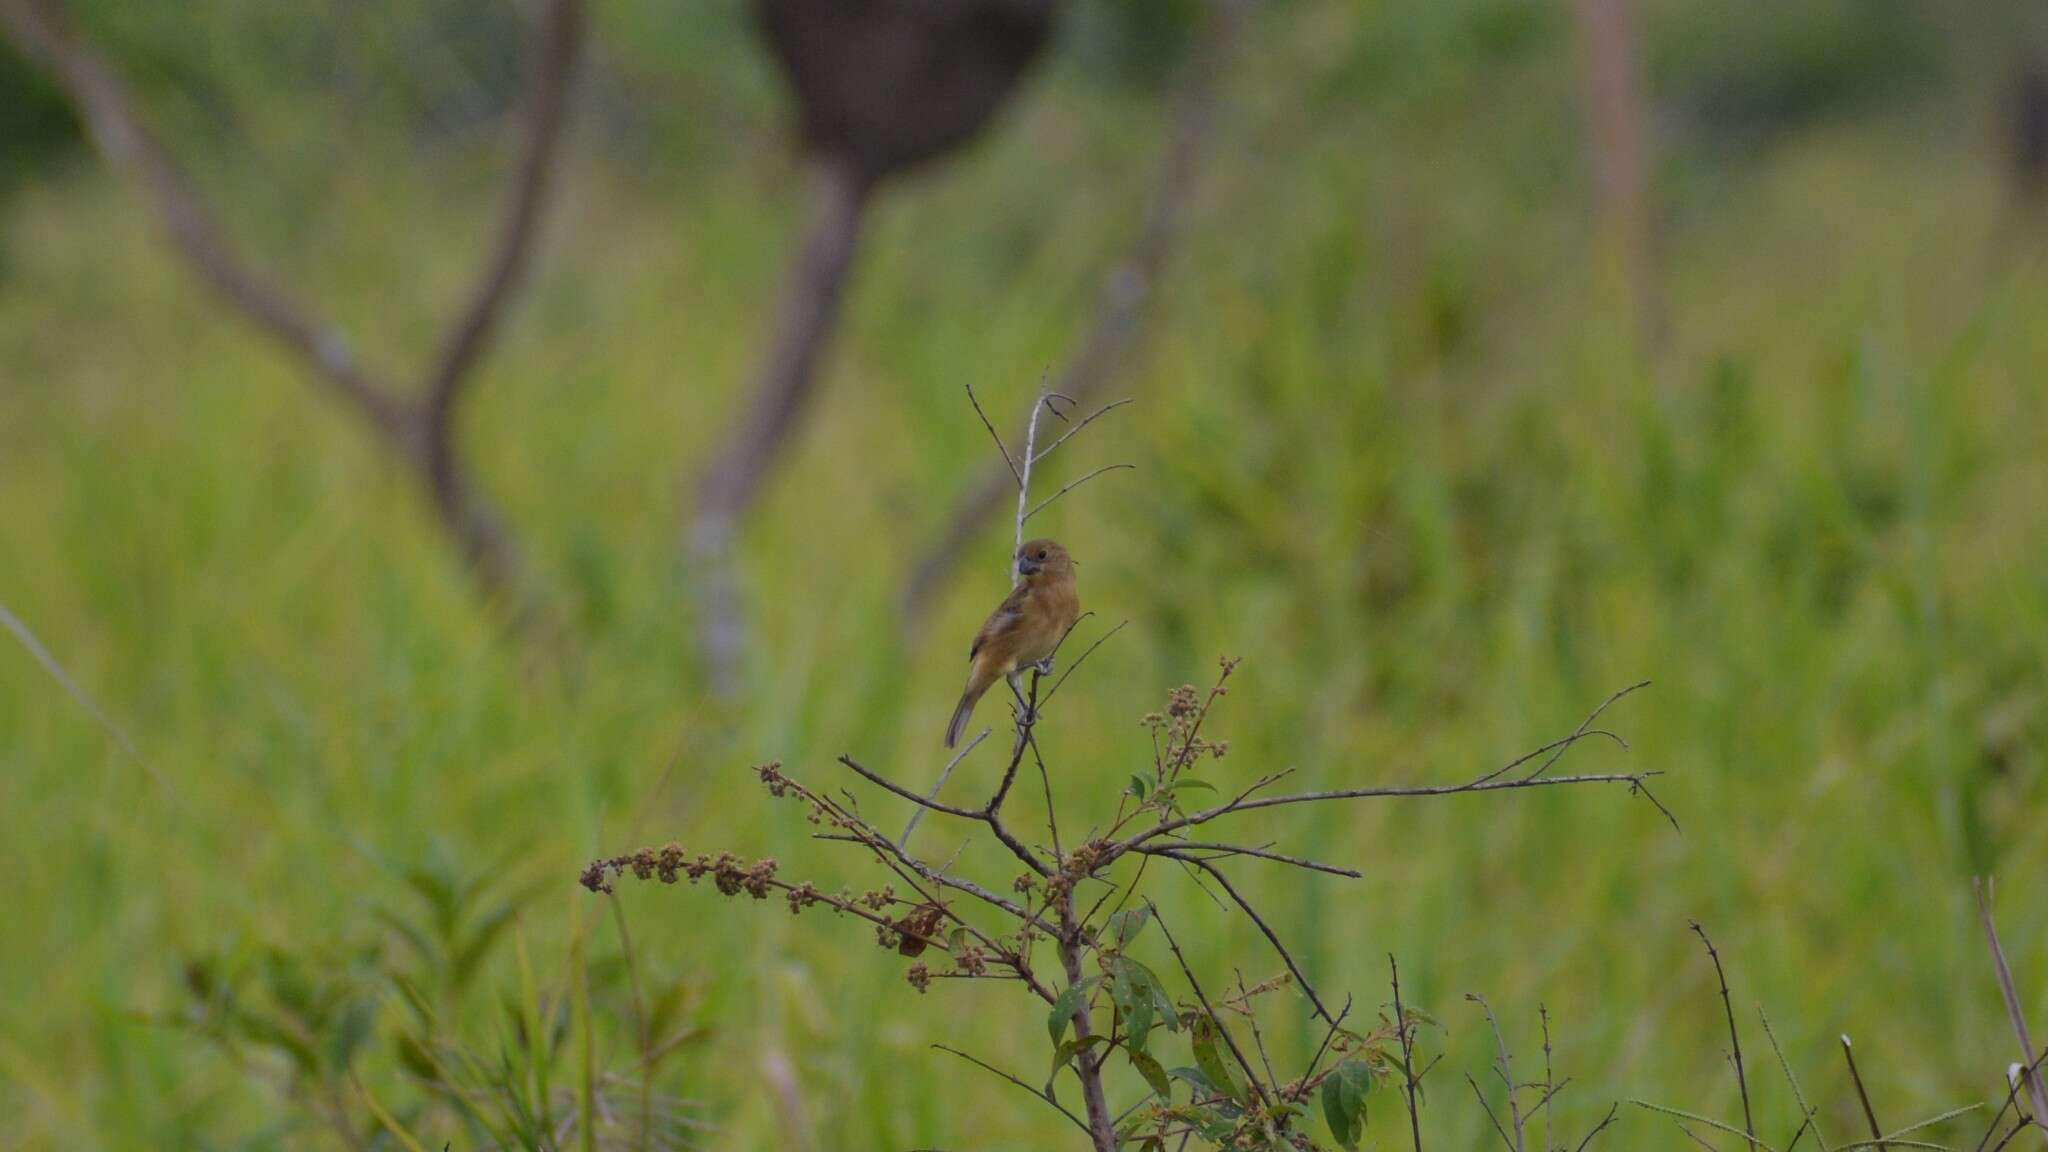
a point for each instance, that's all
(1023, 630)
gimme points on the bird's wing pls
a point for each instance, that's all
(1004, 618)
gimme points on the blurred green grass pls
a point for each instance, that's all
(1395, 447)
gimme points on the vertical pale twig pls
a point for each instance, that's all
(1024, 481)
(1507, 1067)
(2013, 1010)
(780, 1072)
(781, 391)
(1127, 288)
(917, 811)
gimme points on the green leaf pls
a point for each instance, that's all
(350, 1032)
(260, 1029)
(471, 954)
(1063, 1008)
(1337, 1114)
(1064, 1056)
(1138, 786)
(1194, 1076)
(1154, 1074)
(1133, 999)
(1344, 1092)
(413, 1055)
(1125, 925)
(1191, 782)
(438, 890)
(289, 981)
(1209, 1057)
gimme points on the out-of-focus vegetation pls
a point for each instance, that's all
(1397, 446)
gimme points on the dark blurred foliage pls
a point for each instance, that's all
(1740, 72)
(1130, 42)
(884, 85)
(35, 123)
(1724, 72)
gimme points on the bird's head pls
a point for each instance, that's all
(1044, 561)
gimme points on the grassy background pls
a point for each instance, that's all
(1395, 447)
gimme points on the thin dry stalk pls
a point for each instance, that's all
(1734, 1037)
(2028, 1071)
(1408, 1077)
(1862, 1094)
(1127, 291)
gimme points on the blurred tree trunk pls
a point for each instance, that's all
(1616, 117)
(420, 430)
(882, 87)
(781, 391)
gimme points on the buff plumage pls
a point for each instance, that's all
(1024, 629)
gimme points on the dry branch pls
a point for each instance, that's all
(419, 430)
(780, 392)
(1093, 947)
(2028, 1061)
(1734, 1037)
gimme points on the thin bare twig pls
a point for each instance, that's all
(1869, 1113)
(1481, 1097)
(1224, 850)
(1195, 986)
(2014, 1081)
(1490, 781)
(995, 1071)
(1716, 1125)
(1806, 1110)
(1069, 433)
(997, 436)
(1550, 1086)
(2035, 1092)
(1266, 930)
(1127, 289)
(42, 655)
(1258, 1038)
(1612, 1112)
(1734, 1037)
(1042, 504)
(1506, 1064)
(1635, 781)
(1408, 1076)
(1070, 669)
(945, 774)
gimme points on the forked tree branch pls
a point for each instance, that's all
(420, 431)
(1127, 290)
(781, 390)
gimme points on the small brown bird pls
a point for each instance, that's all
(1024, 630)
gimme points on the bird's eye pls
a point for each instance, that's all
(1042, 553)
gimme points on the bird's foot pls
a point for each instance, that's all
(1044, 666)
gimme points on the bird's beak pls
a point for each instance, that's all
(1027, 566)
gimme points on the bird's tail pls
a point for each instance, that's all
(963, 710)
